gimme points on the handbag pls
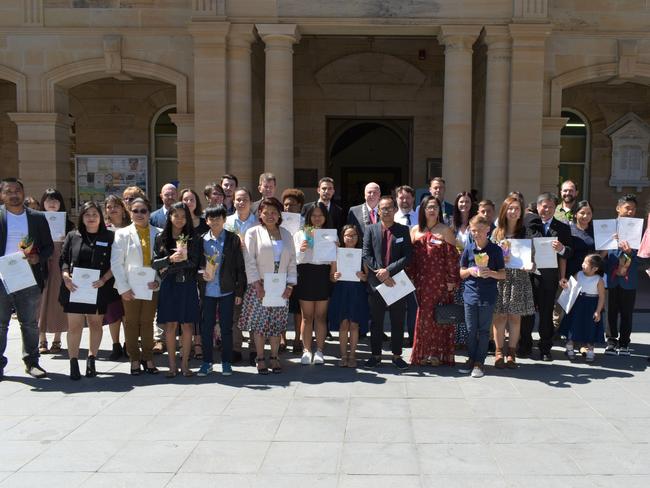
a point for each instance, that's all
(450, 313)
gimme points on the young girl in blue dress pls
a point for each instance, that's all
(583, 324)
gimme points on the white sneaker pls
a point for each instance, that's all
(591, 355)
(305, 360)
(623, 351)
(571, 354)
(477, 372)
(318, 358)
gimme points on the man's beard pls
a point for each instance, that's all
(569, 199)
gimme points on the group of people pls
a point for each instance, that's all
(202, 277)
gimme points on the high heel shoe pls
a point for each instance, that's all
(261, 370)
(135, 371)
(91, 372)
(147, 369)
(277, 369)
(75, 374)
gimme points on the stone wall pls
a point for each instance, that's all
(603, 104)
(8, 132)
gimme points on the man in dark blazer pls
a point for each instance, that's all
(267, 186)
(545, 287)
(17, 222)
(325, 194)
(386, 252)
(168, 195)
(366, 213)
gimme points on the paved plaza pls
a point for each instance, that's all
(558, 424)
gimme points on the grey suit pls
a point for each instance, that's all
(357, 216)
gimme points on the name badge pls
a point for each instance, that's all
(436, 241)
(100, 243)
(398, 240)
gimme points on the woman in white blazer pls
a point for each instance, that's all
(269, 249)
(133, 247)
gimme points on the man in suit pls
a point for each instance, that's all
(325, 195)
(169, 196)
(267, 186)
(16, 223)
(386, 252)
(545, 288)
(437, 187)
(366, 213)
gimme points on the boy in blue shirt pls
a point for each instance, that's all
(481, 265)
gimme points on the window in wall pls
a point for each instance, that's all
(164, 156)
(630, 137)
(574, 154)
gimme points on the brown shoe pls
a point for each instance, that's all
(158, 347)
(499, 362)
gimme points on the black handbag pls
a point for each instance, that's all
(450, 313)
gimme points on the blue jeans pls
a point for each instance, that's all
(25, 302)
(478, 319)
(226, 305)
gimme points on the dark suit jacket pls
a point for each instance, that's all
(39, 231)
(158, 218)
(334, 216)
(373, 256)
(355, 217)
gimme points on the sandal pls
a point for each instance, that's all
(275, 369)
(188, 373)
(135, 371)
(56, 347)
(149, 370)
(171, 374)
(261, 370)
(344, 362)
(42, 347)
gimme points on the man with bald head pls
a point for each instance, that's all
(169, 196)
(366, 213)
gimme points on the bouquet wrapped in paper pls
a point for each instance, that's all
(181, 246)
(481, 259)
(309, 235)
(505, 247)
(624, 262)
(211, 266)
(27, 246)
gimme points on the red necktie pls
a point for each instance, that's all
(386, 246)
(373, 217)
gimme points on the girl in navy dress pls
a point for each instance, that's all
(348, 310)
(583, 324)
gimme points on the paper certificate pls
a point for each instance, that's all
(83, 279)
(139, 279)
(15, 272)
(324, 245)
(604, 232)
(569, 295)
(291, 222)
(521, 251)
(545, 255)
(274, 286)
(402, 287)
(56, 221)
(348, 262)
(630, 230)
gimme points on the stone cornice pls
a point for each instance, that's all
(460, 37)
(283, 33)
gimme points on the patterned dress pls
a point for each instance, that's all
(256, 318)
(434, 264)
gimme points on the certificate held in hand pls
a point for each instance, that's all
(274, 286)
(139, 279)
(604, 234)
(545, 255)
(403, 286)
(324, 245)
(348, 262)
(56, 221)
(291, 222)
(83, 279)
(520, 254)
(15, 272)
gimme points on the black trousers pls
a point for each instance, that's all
(528, 321)
(620, 302)
(377, 311)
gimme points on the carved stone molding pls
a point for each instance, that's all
(458, 37)
(33, 12)
(208, 8)
(530, 10)
(113, 57)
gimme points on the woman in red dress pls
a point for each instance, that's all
(434, 270)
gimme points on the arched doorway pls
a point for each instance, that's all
(164, 158)
(364, 150)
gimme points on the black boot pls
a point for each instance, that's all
(126, 354)
(116, 355)
(75, 374)
(91, 372)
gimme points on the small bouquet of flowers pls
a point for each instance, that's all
(27, 246)
(181, 246)
(211, 266)
(309, 235)
(505, 247)
(624, 262)
(481, 259)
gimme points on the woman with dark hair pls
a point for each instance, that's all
(515, 293)
(434, 270)
(87, 247)
(348, 309)
(269, 250)
(52, 319)
(464, 210)
(582, 231)
(116, 217)
(177, 255)
(313, 287)
(133, 249)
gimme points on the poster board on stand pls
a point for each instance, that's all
(96, 177)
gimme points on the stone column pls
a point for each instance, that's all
(185, 148)
(278, 113)
(210, 105)
(44, 152)
(551, 146)
(240, 104)
(526, 105)
(497, 113)
(457, 107)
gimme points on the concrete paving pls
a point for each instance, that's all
(559, 424)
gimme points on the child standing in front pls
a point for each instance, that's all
(583, 324)
(481, 265)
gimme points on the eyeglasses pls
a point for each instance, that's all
(141, 211)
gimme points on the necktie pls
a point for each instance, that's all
(408, 219)
(386, 245)
(373, 217)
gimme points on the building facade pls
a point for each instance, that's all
(495, 95)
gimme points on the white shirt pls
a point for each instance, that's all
(16, 229)
(400, 217)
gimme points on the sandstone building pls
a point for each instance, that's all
(495, 95)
